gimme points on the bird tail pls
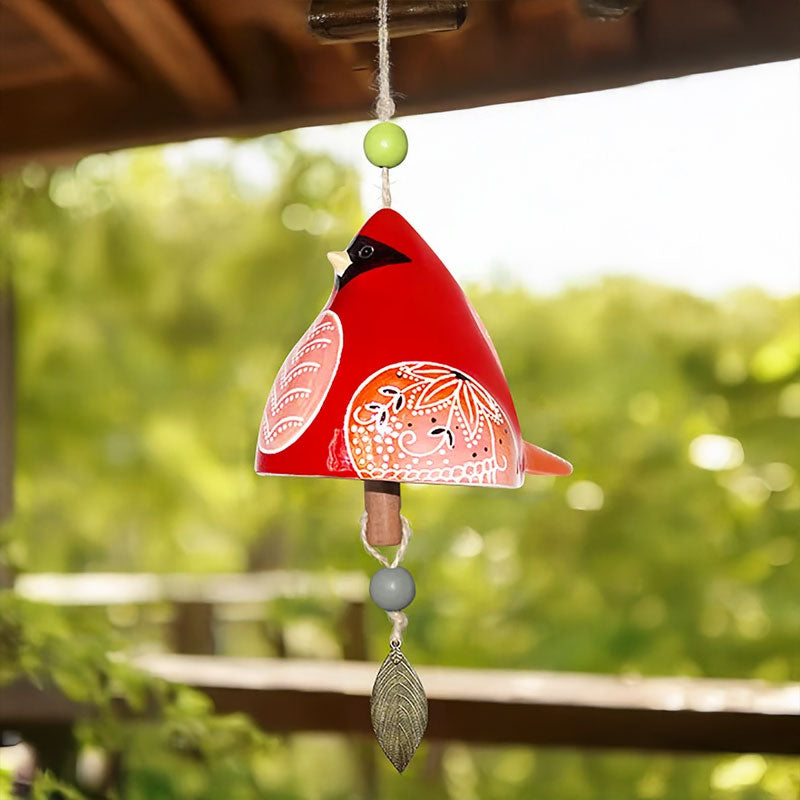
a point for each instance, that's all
(542, 462)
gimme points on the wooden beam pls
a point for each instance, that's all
(86, 58)
(287, 21)
(45, 73)
(382, 504)
(26, 57)
(478, 706)
(169, 41)
(504, 53)
(286, 18)
(193, 629)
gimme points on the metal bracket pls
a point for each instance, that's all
(333, 21)
(608, 9)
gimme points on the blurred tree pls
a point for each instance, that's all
(158, 293)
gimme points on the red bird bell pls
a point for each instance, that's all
(397, 379)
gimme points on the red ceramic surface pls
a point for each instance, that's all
(397, 378)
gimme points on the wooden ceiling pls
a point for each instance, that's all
(78, 76)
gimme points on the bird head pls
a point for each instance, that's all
(382, 242)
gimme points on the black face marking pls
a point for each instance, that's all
(366, 254)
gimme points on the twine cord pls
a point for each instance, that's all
(399, 624)
(384, 105)
(384, 110)
(398, 619)
(401, 548)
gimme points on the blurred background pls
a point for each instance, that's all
(638, 272)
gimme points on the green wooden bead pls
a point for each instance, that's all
(386, 144)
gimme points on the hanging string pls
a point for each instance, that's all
(384, 105)
(398, 619)
(384, 110)
(399, 554)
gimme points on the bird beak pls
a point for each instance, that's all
(340, 261)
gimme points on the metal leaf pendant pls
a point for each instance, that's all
(399, 708)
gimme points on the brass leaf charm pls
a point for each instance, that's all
(399, 708)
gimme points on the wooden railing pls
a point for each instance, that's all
(201, 604)
(480, 706)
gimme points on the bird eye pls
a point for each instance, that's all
(366, 251)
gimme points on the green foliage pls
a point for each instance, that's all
(33, 643)
(174, 731)
(157, 299)
(49, 787)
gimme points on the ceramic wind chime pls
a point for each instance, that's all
(423, 400)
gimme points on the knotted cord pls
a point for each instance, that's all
(398, 619)
(384, 105)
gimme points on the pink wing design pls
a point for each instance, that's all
(302, 384)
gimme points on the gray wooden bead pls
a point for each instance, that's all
(392, 589)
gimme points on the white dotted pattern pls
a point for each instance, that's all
(429, 423)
